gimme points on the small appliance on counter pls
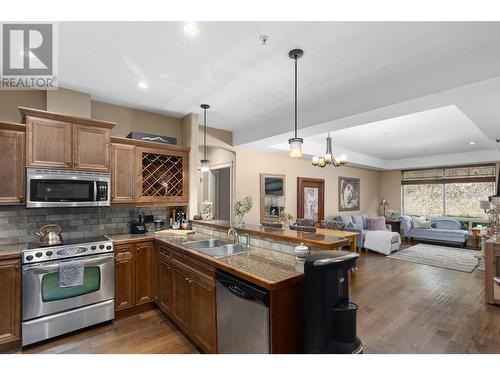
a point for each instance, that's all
(329, 314)
(149, 223)
(137, 226)
(50, 235)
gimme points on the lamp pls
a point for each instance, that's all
(384, 203)
(329, 159)
(295, 143)
(205, 163)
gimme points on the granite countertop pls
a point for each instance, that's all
(11, 251)
(316, 240)
(269, 269)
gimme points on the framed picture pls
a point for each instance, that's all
(310, 199)
(349, 194)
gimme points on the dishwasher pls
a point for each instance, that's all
(242, 316)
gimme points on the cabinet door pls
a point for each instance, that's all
(10, 306)
(181, 301)
(124, 276)
(48, 143)
(143, 270)
(91, 148)
(203, 315)
(12, 167)
(122, 173)
(164, 285)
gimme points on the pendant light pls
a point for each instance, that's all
(323, 161)
(295, 143)
(205, 163)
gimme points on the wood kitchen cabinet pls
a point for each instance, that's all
(10, 306)
(91, 146)
(133, 274)
(203, 315)
(124, 276)
(163, 283)
(12, 143)
(48, 143)
(181, 303)
(55, 140)
(122, 173)
(144, 274)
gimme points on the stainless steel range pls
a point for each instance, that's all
(51, 307)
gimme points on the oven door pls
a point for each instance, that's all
(42, 294)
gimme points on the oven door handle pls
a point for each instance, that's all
(93, 260)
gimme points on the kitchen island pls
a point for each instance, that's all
(184, 285)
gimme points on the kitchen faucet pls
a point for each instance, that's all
(231, 233)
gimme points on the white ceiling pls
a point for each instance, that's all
(352, 73)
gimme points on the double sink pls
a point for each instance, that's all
(216, 248)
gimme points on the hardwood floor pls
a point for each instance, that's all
(412, 308)
(149, 332)
(404, 308)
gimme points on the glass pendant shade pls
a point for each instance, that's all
(295, 147)
(315, 160)
(342, 159)
(204, 165)
(322, 162)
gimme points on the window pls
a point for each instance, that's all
(448, 191)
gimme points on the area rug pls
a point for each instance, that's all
(452, 258)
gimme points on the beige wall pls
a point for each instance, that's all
(11, 99)
(249, 165)
(390, 188)
(129, 119)
(189, 129)
(69, 102)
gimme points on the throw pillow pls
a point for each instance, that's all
(305, 222)
(332, 224)
(376, 223)
(421, 222)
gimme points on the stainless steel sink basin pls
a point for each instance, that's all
(205, 244)
(224, 250)
(216, 248)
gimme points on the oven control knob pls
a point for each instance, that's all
(101, 247)
(39, 254)
(29, 258)
(108, 247)
(93, 247)
(49, 253)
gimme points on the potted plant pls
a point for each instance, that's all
(286, 218)
(242, 207)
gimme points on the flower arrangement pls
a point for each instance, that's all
(206, 210)
(242, 207)
(285, 217)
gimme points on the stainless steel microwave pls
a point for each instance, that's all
(62, 188)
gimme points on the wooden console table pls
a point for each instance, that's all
(492, 273)
(395, 225)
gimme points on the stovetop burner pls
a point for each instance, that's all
(77, 241)
(34, 252)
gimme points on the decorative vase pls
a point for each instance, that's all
(240, 220)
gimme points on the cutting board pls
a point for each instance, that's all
(175, 232)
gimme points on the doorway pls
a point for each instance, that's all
(221, 193)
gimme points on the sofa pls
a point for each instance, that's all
(359, 224)
(441, 230)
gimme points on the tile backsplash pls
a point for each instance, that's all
(18, 224)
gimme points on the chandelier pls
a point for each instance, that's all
(329, 159)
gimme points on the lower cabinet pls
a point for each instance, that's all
(10, 306)
(187, 295)
(133, 274)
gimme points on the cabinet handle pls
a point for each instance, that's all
(17, 267)
(21, 199)
(190, 281)
(187, 279)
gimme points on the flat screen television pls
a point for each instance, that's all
(273, 186)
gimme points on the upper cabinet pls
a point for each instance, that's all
(91, 146)
(149, 173)
(60, 141)
(12, 140)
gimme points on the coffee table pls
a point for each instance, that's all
(350, 236)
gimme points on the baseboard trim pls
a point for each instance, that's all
(135, 310)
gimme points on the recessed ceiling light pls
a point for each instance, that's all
(191, 28)
(472, 143)
(143, 85)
